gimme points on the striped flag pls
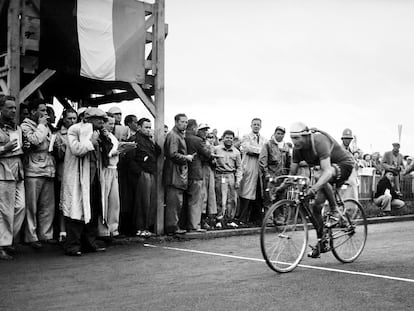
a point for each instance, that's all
(97, 39)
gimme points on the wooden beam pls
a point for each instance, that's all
(35, 84)
(3, 87)
(64, 102)
(116, 97)
(13, 51)
(158, 53)
(2, 4)
(147, 101)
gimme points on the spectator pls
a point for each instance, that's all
(24, 112)
(131, 121)
(274, 160)
(39, 170)
(227, 180)
(237, 143)
(81, 114)
(144, 164)
(386, 197)
(175, 174)
(108, 223)
(120, 131)
(52, 118)
(208, 193)
(12, 205)
(366, 160)
(393, 160)
(127, 177)
(165, 129)
(197, 147)
(69, 118)
(375, 159)
(216, 140)
(81, 199)
(250, 186)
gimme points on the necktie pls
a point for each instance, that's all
(257, 138)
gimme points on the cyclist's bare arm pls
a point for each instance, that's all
(294, 168)
(327, 172)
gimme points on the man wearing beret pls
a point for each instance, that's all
(81, 200)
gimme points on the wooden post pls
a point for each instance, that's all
(13, 44)
(159, 37)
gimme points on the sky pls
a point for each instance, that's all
(333, 64)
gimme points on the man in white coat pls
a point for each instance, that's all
(251, 146)
(81, 199)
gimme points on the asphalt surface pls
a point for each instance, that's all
(213, 274)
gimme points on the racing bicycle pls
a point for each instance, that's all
(284, 232)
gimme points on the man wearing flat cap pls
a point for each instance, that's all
(393, 160)
(81, 199)
(274, 158)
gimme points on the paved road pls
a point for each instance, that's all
(218, 274)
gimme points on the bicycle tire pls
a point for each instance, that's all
(348, 241)
(284, 244)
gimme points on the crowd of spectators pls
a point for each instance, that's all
(91, 179)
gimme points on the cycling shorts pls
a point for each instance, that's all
(343, 171)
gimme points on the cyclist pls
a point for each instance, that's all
(318, 148)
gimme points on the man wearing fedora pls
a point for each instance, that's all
(81, 199)
(393, 160)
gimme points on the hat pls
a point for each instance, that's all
(95, 112)
(81, 110)
(299, 129)
(114, 110)
(396, 144)
(393, 172)
(347, 133)
(280, 128)
(203, 126)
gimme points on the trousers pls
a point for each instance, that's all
(40, 208)
(12, 210)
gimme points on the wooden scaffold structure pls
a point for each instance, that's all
(22, 75)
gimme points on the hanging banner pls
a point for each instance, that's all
(97, 39)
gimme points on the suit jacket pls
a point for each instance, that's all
(389, 163)
(175, 172)
(196, 145)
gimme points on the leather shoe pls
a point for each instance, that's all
(74, 253)
(10, 250)
(180, 231)
(36, 245)
(4, 255)
(99, 249)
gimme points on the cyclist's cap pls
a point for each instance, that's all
(203, 126)
(396, 144)
(347, 133)
(81, 110)
(280, 128)
(299, 129)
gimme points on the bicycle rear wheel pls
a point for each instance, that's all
(284, 236)
(348, 239)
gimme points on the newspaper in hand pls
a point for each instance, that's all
(52, 142)
(125, 146)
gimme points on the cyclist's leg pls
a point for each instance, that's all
(317, 213)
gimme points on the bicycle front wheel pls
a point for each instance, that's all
(349, 237)
(284, 236)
